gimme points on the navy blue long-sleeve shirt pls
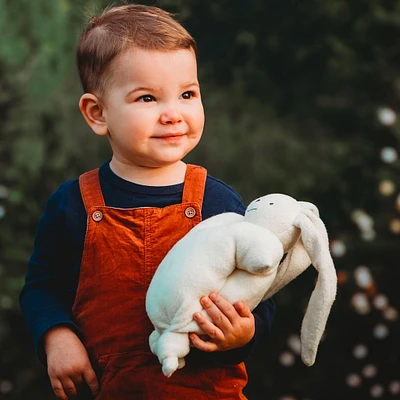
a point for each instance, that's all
(51, 282)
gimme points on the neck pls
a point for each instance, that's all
(150, 176)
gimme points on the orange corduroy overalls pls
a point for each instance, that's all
(122, 250)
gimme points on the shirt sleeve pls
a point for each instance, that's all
(44, 298)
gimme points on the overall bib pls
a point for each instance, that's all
(122, 250)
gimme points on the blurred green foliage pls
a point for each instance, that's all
(301, 97)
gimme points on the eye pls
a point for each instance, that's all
(271, 204)
(257, 200)
(146, 98)
(187, 95)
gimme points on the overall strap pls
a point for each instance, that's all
(195, 183)
(89, 184)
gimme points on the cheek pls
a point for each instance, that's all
(198, 119)
(139, 120)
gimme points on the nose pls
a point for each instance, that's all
(171, 114)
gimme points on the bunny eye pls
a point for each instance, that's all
(257, 200)
(271, 204)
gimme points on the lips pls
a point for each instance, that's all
(169, 135)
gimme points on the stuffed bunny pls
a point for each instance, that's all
(239, 257)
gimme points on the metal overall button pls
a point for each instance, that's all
(97, 216)
(190, 212)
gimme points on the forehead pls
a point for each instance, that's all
(155, 67)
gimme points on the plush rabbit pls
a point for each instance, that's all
(239, 256)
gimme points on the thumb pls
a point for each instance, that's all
(91, 379)
(242, 309)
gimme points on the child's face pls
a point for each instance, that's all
(153, 109)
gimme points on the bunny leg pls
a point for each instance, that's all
(172, 347)
(181, 363)
(153, 341)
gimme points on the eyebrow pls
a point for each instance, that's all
(153, 89)
(140, 89)
(190, 84)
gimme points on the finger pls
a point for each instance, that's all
(201, 344)
(224, 306)
(69, 387)
(243, 309)
(91, 379)
(77, 380)
(208, 327)
(219, 309)
(58, 389)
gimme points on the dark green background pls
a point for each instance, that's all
(293, 91)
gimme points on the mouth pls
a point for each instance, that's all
(251, 209)
(169, 136)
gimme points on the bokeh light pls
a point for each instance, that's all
(365, 224)
(381, 331)
(369, 371)
(386, 187)
(377, 391)
(391, 314)
(360, 303)
(394, 387)
(363, 277)
(394, 226)
(6, 387)
(338, 248)
(389, 155)
(294, 344)
(342, 276)
(287, 359)
(380, 302)
(360, 351)
(353, 380)
(386, 116)
(6, 302)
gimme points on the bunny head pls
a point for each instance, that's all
(304, 238)
(277, 212)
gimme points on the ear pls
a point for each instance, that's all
(295, 262)
(92, 110)
(309, 206)
(315, 241)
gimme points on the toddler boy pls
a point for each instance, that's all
(102, 237)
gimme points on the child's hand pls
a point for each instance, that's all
(233, 325)
(68, 363)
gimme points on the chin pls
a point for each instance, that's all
(172, 159)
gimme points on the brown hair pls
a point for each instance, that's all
(119, 28)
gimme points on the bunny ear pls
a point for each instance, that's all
(295, 262)
(315, 241)
(310, 206)
(297, 259)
